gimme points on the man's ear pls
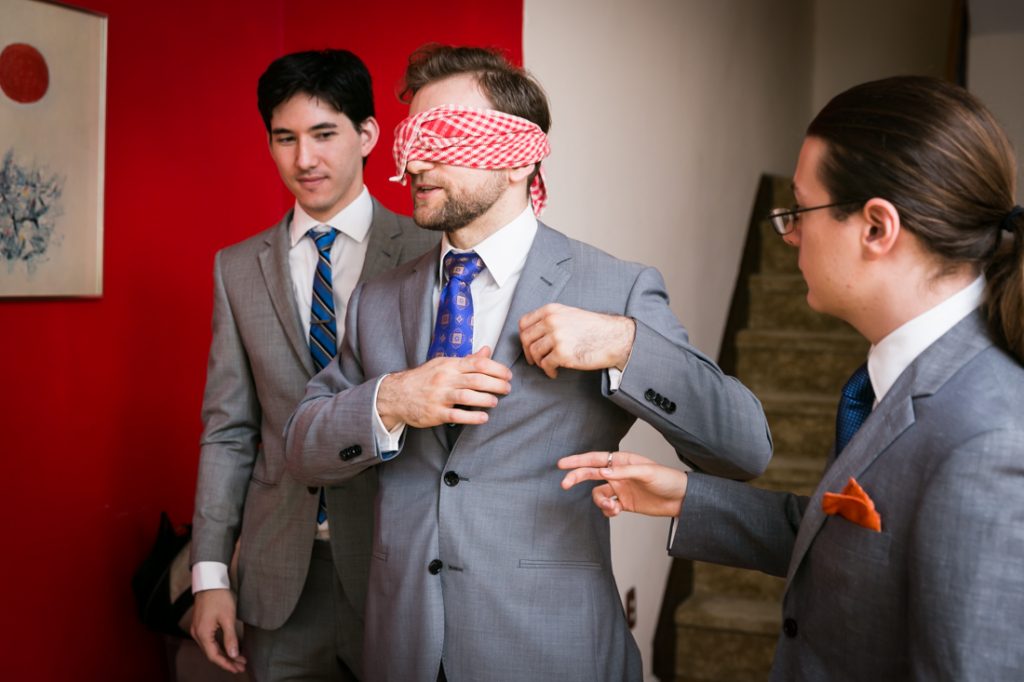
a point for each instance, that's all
(881, 228)
(369, 133)
(517, 175)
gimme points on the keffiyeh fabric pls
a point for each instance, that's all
(475, 138)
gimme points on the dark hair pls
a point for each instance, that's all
(336, 77)
(511, 89)
(938, 155)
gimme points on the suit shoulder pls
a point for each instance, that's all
(250, 246)
(590, 258)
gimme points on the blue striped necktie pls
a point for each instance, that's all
(854, 406)
(323, 326)
(453, 330)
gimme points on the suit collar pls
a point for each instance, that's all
(890, 418)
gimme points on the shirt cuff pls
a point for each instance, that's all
(210, 575)
(672, 532)
(388, 442)
(614, 379)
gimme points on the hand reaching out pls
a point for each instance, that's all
(632, 482)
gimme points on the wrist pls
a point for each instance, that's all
(626, 336)
(388, 403)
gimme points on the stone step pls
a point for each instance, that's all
(777, 257)
(725, 638)
(779, 301)
(796, 361)
(801, 423)
(726, 581)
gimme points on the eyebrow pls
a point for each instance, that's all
(326, 125)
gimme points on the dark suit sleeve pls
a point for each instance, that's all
(330, 437)
(714, 422)
(735, 524)
(965, 577)
(231, 435)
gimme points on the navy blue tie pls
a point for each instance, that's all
(453, 330)
(854, 406)
(323, 326)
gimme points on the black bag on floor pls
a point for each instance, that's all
(162, 583)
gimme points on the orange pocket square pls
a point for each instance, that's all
(853, 504)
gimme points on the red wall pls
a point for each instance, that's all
(99, 399)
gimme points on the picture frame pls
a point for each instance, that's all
(53, 62)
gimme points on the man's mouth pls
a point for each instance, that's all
(311, 181)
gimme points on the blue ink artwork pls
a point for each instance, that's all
(29, 206)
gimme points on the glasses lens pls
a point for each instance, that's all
(781, 219)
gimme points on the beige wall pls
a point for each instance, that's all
(862, 40)
(666, 112)
(995, 56)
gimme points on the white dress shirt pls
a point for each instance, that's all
(889, 357)
(347, 256)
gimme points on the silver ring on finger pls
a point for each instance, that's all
(608, 464)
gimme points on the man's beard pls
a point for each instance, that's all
(460, 208)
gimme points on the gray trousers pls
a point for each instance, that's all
(321, 641)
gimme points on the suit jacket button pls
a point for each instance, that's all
(435, 566)
(451, 479)
(313, 490)
(649, 395)
(789, 627)
(671, 407)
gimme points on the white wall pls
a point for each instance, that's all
(666, 113)
(862, 40)
(994, 59)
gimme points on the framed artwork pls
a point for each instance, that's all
(53, 61)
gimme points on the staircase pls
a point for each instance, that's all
(795, 361)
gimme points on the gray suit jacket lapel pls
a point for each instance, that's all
(892, 416)
(540, 283)
(277, 274)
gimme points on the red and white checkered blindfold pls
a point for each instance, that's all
(475, 138)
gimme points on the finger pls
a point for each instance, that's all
(207, 639)
(484, 352)
(485, 384)
(483, 365)
(455, 415)
(595, 458)
(606, 500)
(467, 397)
(550, 363)
(581, 475)
(534, 316)
(230, 638)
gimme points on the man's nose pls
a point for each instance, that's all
(305, 155)
(416, 166)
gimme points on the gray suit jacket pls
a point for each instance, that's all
(258, 368)
(479, 556)
(939, 593)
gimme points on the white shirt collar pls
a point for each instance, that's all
(354, 220)
(889, 357)
(504, 252)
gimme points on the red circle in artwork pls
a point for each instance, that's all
(24, 76)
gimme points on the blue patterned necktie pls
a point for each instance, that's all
(323, 327)
(854, 406)
(453, 331)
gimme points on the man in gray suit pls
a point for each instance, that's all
(482, 568)
(302, 551)
(906, 562)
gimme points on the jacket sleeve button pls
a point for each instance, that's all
(435, 566)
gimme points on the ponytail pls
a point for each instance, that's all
(1005, 292)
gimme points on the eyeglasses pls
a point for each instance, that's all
(784, 219)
